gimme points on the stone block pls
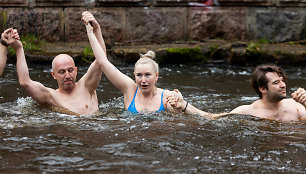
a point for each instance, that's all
(45, 23)
(177, 2)
(13, 3)
(156, 25)
(119, 1)
(60, 3)
(122, 3)
(292, 3)
(280, 25)
(110, 20)
(226, 23)
(247, 3)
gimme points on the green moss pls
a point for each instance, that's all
(185, 51)
(88, 52)
(187, 54)
(11, 52)
(281, 52)
(301, 42)
(291, 43)
(3, 19)
(263, 41)
(88, 55)
(30, 43)
(214, 47)
(254, 47)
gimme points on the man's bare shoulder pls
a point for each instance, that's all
(289, 101)
(292, 103)
(247, 109)
(243, 109)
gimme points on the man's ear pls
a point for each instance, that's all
(263, 90)
(52, 73)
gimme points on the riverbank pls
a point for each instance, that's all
(208, 51)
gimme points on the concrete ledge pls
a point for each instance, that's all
(60, 3)
(208, 51)
(14, 3)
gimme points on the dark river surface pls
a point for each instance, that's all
(36, 140)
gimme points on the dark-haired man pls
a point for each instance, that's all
(269, 83)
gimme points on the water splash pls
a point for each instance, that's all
(116, 141)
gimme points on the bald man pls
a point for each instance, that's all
(78, 98)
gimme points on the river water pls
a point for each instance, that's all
(35, 140)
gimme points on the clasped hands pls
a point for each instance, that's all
(9, 36)
(299, 96)
(90, 22)
(175, 99)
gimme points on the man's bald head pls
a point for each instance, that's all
(61, 58)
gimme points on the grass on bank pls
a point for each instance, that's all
(88, 55)
(183, 55)
(255, 46)
(30, 43)
(301, 42)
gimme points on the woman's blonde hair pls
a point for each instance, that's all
(148, 58)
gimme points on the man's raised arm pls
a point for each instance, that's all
(35, 89)
(3, 58)
(92, 78)
(3, 49)
(87, 17)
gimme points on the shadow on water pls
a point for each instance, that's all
(35, 140)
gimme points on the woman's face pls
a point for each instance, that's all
(145, 77)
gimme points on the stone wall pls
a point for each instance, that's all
(158, 21)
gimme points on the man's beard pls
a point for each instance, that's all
(69, 85)
(275, 97)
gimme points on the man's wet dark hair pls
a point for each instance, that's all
(259, 79)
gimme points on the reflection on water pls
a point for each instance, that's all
(35, 140)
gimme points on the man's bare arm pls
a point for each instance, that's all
(241, 110)
(118, 79)
(301, 112)
(179, 103)
(4, 49)
(87, 17)
(3, 58)
(93, 76)
(35, 89)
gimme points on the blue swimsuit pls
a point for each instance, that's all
(133, 109)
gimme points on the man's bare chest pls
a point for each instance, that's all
(81, 103)
(283, 114)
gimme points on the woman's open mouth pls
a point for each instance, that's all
(144, 86)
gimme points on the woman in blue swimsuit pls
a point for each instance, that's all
(146, 75)
(140, 95)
